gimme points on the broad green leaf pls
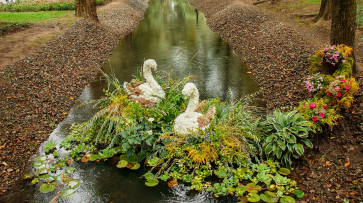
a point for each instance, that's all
(154, 161)
(126, 146)
(123, 157)
(290, 147)
(40, 158)
(133, 159)
(148, 175)
(282, 144)
(74, 184)
(252, 188)
(270, 120)
(48, 178)
(302, 134)
(283, 120)
(307, 142)
(267, 198)
(304, 123)
(165, 176)
(269, 138)
(70, 170)
(287, 199)
(253, 197)
(299, 194)
(94, 157)
(151, 182)
(37, 164)
(122, 164)
(277, 126)
(186, 178)
(45, 188)
(286, 133)
(67, 192)
(299, 149)
(59, 177)
(41, 170)
(293, 130)
(279, 153)
(292, 139)
(274, 149)
(284, 171)
(66, 179)
(240, 190)
(272, 196)
(136, 166)
(268, 148)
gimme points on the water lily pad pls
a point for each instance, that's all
(252, 188)
(40, 158)
(45, 188)
(284, 171)
(74, 183)
(148, 176)
(299, 193)
(130, 165)
(287, 199)
(70, 170)
(252, 197)
(152, 182)
(123, 157)
(172, 183)
(93, 157)
(136, 166)
(122, 164)
(67, 192)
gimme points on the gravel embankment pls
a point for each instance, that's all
(36, 92)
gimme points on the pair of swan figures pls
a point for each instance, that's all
(187, 122)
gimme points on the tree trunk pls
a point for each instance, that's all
(87, 9)
(325, 11)
(344, 24)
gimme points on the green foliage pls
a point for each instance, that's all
(33, 17)
(49, 147)
(27, 5)
(46, 168)
(284, 135)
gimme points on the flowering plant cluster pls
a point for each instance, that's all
(336, 54)
(318, 113)
(314, 82)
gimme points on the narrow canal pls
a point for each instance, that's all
(177, 37)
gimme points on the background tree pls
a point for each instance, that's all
(325, 11)
(343, 28)
(87, 9)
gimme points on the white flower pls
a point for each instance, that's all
(151, 119)
(150, 132)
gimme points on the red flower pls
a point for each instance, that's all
(347, 87)
(328, 93)
(321, 115)
(315, 118)
(342, 80)
(312, 105)
(339, 94)
(326, 106)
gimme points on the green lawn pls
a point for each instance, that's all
(33, 17)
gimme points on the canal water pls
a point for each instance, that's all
(177, 37)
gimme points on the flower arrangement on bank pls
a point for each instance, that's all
(314, 82)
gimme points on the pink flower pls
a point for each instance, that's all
(326, 106)
(321, 115)
(312, 105)
(328, 93)
(343, 61)
(347, 87)
(342, 80)
(315, 118)
(339, 94)
(337, 88)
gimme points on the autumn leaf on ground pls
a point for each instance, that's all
(71, 98)
(347, 164)
(172, 183)
(327, 163)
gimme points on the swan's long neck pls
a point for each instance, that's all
(193, 101)
(149, 78)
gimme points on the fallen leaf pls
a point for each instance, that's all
(172, 183)
(86, 85)
(327, 163)
(347, 164)
(85, 158)
(71, 98)
(332, 138)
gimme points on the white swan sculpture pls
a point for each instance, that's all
(146, 90)
(190, 121)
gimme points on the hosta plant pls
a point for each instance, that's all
(285, 135)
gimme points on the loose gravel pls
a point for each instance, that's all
(37, 92)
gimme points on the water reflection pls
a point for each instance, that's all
(172, 32)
